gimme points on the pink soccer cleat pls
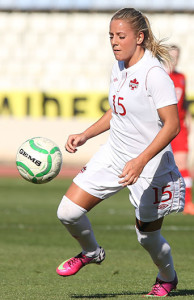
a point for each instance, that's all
(162, 288)
(74, 264)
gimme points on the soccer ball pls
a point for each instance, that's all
(39, 160)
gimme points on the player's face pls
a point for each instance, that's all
(125, 42)
(174, 53)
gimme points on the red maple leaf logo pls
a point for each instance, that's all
(133, 84)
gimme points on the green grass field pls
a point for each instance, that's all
(33, 243)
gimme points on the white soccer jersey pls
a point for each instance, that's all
(135, 95)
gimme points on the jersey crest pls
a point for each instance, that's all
(133, 84)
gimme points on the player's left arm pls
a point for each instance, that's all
(170, 119)
(161, 89)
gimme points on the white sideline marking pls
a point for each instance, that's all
(106, 227)
(132, 227)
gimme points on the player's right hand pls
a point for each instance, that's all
(74, 141)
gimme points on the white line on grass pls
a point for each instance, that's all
(132, 227)
(106, 227)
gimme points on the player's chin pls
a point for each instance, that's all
(117, 55)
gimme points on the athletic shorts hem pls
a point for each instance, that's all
(148, 220)
(87, 190)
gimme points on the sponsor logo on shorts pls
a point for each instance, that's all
(162, 206)
(83, 169)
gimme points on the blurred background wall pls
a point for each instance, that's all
(55, 64)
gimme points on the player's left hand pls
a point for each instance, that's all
(131, 172)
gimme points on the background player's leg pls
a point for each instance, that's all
(181, 158)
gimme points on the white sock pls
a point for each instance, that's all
(160, 253)
(74, 219)
(83, 233)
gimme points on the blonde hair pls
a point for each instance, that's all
(140, 23)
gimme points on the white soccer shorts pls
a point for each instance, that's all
(152, 198)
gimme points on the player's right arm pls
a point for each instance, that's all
(76, 140)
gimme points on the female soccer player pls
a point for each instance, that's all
(143, 120)
(180, 143)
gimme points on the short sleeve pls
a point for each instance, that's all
(160, 87)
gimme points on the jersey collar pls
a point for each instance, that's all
(135, 67)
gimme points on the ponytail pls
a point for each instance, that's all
(158, 48)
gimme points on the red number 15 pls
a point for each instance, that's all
(120, 104)
(169, 193)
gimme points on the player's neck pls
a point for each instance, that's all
(139, 53)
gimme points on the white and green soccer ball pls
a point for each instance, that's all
(39, 160)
